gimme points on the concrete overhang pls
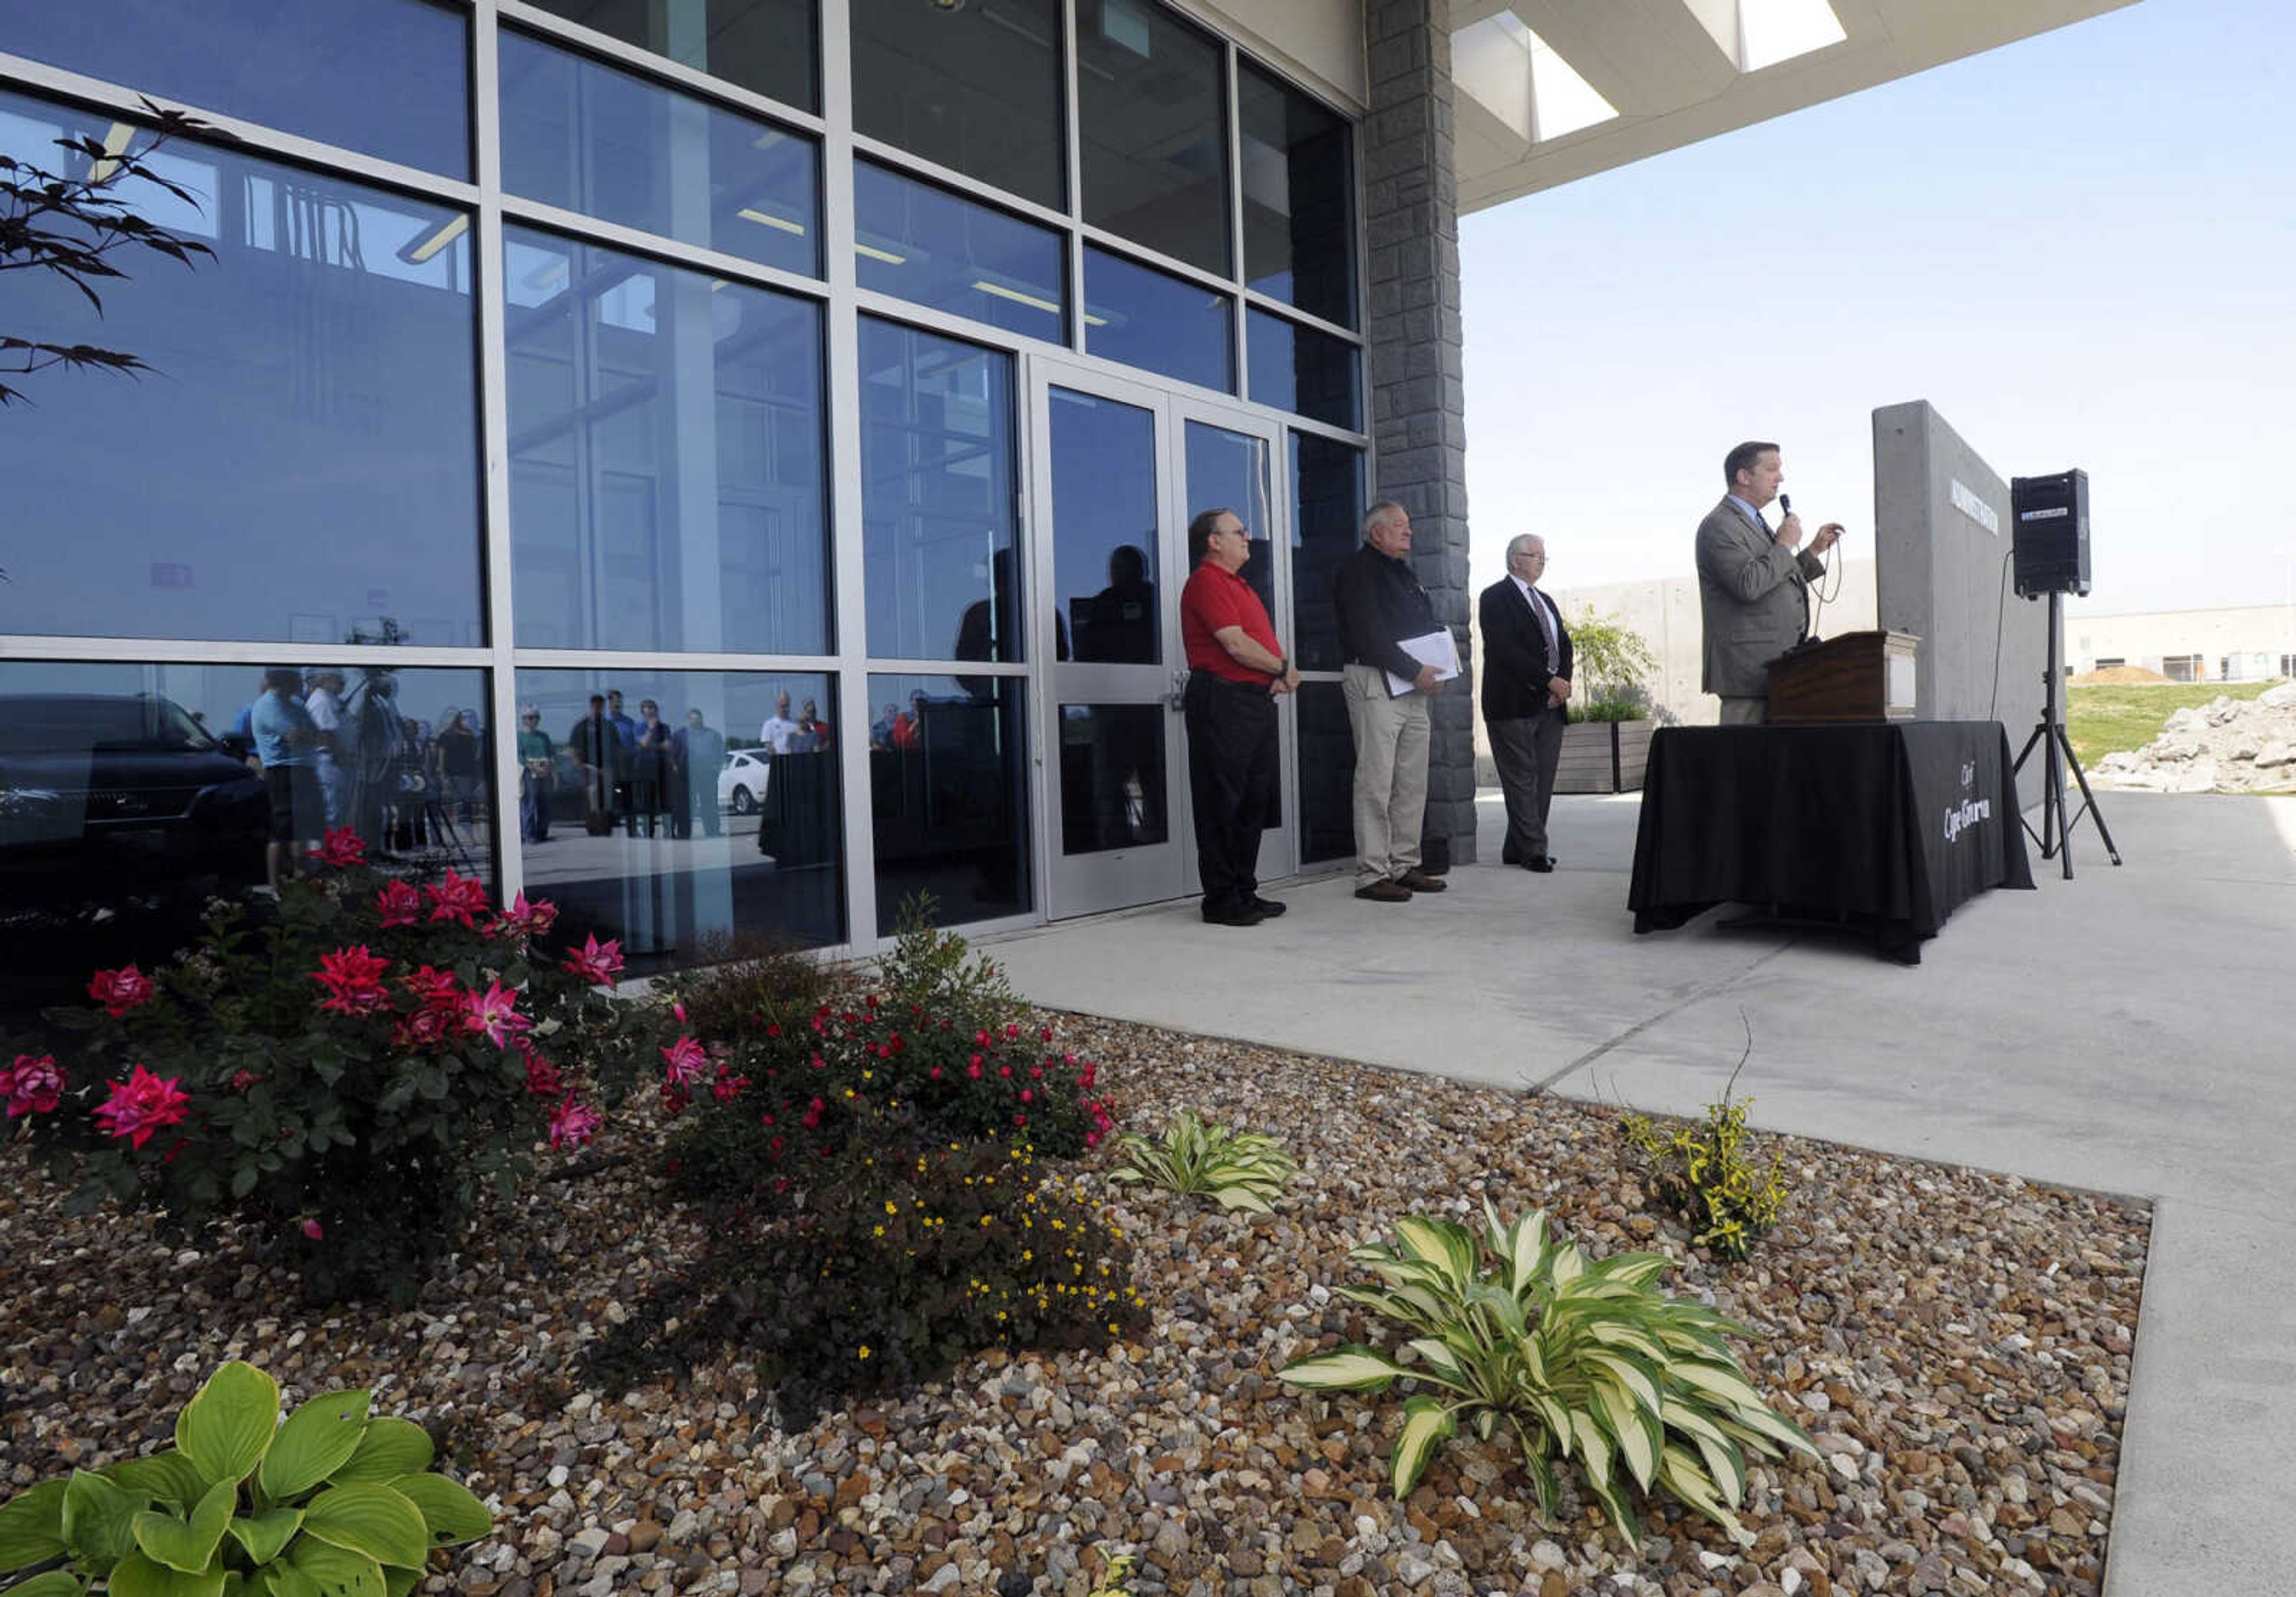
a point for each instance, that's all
(1552, 90)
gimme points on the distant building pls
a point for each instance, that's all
(2240, 642)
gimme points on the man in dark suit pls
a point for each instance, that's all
(1527, 665)
(1753, 585)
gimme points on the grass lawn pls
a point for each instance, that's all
(2104, 719)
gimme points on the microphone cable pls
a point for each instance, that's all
(2000, 613)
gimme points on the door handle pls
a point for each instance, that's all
(1176, 699)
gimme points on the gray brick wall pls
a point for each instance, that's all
(1418, 397)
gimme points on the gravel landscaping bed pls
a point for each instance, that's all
(1957, 1342)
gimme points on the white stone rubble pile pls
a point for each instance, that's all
(2228, 746)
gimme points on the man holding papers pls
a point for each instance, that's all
(1397, 657)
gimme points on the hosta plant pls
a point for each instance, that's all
(1240, 1169)
(333, 1503)
(1516, 1329)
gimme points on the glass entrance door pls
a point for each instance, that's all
(1117, 470)
(1229, 461)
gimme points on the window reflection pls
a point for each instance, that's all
(1327, 764)
(1231, 471)
(129, 794)
(1327, 484)
(1154, 125)
(1105, 528)
(947, 796)
(1113, 777)
(1158, 321)
(668, 809)
(305, 451)
(766, 45)
(386, 78)
(926, 244)
(1298, 198)
(1300, 369)
(667, 450)
(976, 88)
(938, 503)
(607, 143)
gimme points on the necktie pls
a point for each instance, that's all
(1546, 624)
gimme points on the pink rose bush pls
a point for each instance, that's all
(349, 1075)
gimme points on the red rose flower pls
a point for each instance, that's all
(32, 1085)
(353, 979)
(143, 1104)
(462, 898)
(399, 903)
(595, 962)
(342, 849)
(121, 990)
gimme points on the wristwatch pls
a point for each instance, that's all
(1282, 666)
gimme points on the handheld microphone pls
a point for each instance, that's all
(1785, 503)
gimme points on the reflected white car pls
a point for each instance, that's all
(741, 784)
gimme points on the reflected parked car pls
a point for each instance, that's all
(120, 794)
(741, 784)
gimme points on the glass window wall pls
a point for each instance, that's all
(1298, 198)
(765, 45)
(590, 138)
(386, 78)
(1158, 321)
(1327, 767)
(299, 463)
(666, 451)
(1327, 484)
(949, 796)
(129, 795)
(976, 88)
(925, 244)
(671, 809)
(1104, 532)
(1300, 369)
(1152, 99)
(939, 496)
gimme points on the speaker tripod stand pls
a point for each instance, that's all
(2056, 834)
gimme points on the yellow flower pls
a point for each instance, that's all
(864, 1346)
(891, 1207)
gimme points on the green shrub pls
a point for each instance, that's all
(936, 972)
(1515, 1328)
(1613, 662)
(806, 1093)
(745, 983)
(902, 1256)
(332, 1501)
(1701, 1172)
(1240, 1170)
(344, 1080)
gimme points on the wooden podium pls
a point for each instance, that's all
(1857, 677)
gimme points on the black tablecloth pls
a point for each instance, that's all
(1887, 825)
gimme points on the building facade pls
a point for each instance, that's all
(825, 385)
(835, 377)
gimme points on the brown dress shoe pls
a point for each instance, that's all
(1419, 881)
(1385, 892)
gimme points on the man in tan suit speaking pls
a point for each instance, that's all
(1753, 583)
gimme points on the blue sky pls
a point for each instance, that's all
(2081, 249)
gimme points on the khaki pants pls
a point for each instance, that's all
(1391, 796)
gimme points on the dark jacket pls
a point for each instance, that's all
(1516, 668)
(1380, 603)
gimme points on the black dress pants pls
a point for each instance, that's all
(1231, 778)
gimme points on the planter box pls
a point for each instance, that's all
(1604, 757)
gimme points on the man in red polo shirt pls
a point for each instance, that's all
(1235, 670)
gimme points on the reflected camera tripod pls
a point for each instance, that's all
(2056, 834)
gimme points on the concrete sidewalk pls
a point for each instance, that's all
(2129, 1030)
